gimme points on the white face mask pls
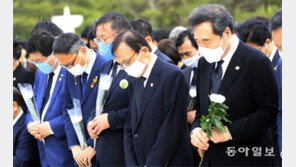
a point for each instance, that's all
(135, 69)
(192, 61)
(77, 69)
(213, 55)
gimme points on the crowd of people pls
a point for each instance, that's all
(158, 92)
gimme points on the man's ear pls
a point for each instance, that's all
(228, 32)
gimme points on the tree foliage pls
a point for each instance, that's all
(160, 13)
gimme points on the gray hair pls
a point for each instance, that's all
(216, 14)
(176, 31)
(76, 46)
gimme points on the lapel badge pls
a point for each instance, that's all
(62, 75)
(95, 80)
(14, 78)
(275, 68)
(60, 79)
(236, 68)
(151, 84)
(123, 84)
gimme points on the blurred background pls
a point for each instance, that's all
(160, 13)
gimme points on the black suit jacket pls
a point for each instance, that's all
(109, 146)
(159, 137)
(187, 72)
(250, 88)
(22, 75)
(162, 56)
(25, 150)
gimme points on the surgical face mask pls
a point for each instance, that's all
(45, 67)
(135, 69)
(192, 61)
(105, 50)
(213, 55)
(77, 69)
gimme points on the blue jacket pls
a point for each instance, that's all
(160, 136)
(279, 116)
(88, 101)
(25, 151)
(109, 145)
(54, 152)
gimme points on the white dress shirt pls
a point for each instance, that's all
(91, 63)
(149, 68)
(17, 117)
(229, 55)
(272, 53)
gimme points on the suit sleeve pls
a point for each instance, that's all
(25, 152)
(265, 95)
(57, 126)
(279, 116)
(69, 129)
(174, 127)
(117, 118)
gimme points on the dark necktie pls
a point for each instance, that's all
(114, 71)
(47, 91)
(217, 77)
(84, 81)
(139, 94)
(193, 82)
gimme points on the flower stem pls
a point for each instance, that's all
(203, 154)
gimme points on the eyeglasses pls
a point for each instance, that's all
(125, 65)
(68, 66)
(103, 40)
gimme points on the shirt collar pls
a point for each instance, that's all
(154, 48)
(233, 48)
(91, 63)
(57, 70)
(18, 117)
(272, 53)
(150, 66)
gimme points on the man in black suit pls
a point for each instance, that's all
(245, 77)
(20, 74)
(145, 28)
(109, 144)
(156, 132)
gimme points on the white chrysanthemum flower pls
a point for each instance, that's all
(217, 98)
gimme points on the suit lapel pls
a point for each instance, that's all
(150, 87)
(206, 84)
(59, 81)
(41, 90)
(91, 82)
(115, 82)
(233, 70)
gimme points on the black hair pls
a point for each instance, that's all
(168, 47)
(186, 33)
(17, 97)
(40, 41)
(85, 31)
(261, 18)
(90, 36)
(17, 50)
(254, 31)
(132, 38)
(238, 27)
(118, 22)
(276, 21)
(142, 26)
(48, 26)
(216, 14)
(159, 34)
(67, 43)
